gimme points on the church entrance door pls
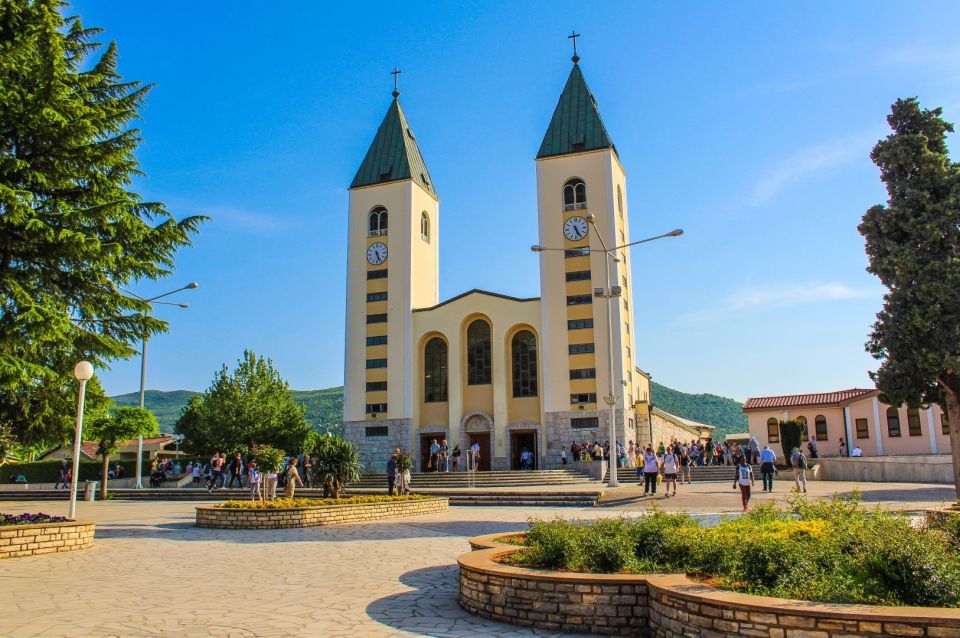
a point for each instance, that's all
(520, 440)
(483, 439)
(425, 441)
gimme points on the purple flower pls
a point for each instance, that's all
(30, 519)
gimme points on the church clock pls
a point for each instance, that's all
(575, 228)
(377, 253)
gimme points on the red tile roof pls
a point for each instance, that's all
(798, 400)
(89, 448)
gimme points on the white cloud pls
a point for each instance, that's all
(774, 296)
(247, 220)
(808, 161)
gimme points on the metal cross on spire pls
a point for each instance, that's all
(573, 36)
(396, 75)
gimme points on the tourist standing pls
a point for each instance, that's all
(685, 463)
(753, 450)
(768, 467)
(563, 456)
(253, 480)
(62, 475)
(444, 455)
(670, 465)
(812, 446)
(575, 451)
(651, 469)
(474, 456)
(307, 470)
(293, 477)
(744, 480)
(236, 470)
(392, 471)
(270, 486)
(434, 462)
(843, 448)
(799, 463)
(455, 456)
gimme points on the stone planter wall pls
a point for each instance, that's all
(228, 518)
(668, 605)
(45, 538)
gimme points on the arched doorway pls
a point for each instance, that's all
(478, 428)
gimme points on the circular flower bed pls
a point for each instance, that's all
(304, 512)
(828, 551)
(31, 534)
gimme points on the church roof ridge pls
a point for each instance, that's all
(394, 155)
(576, 125)
(476, 291)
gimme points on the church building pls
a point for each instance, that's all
(504, 372)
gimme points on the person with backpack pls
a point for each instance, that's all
(292, 478)
(671, 465)
(744, 480)
(799, 463)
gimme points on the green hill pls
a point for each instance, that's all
(726, 414)
(325, 407)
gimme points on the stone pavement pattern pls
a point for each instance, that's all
(151, 572)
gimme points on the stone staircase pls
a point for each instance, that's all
(495, 479)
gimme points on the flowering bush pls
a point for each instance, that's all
(30, 519)
(289, 503)
(832, 550)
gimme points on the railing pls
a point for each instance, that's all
(376, 233)
(576, 206)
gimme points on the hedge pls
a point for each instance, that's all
(49, 471)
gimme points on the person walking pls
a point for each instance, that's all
(253, 480)
(651, 469)
(392, 471)
(685, 463)
(799, 463)
(236, 470)
(455, 457)
(812, 446)
(670, 465)
(434, 462)
(768, 467)
(753, 450)
(270, 485)
(293, 477)
(744, 480)
(62, 475)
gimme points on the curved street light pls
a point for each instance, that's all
(610, 292)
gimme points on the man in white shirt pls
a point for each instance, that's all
(856, 451)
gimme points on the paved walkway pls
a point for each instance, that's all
(152, 573)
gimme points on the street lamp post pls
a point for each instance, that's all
(143, 367)
(610, 292)
(83, 371)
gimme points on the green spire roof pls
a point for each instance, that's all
(394, 155)
(576, 125)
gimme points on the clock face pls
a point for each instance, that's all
(377, 253)
(575, 228)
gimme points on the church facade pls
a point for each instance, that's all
(504, 372)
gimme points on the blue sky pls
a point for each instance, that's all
(749, 125)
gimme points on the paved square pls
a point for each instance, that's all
(152, 573)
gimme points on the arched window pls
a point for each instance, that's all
(378, 222)
(478, 353)
(425, 227)
(820, 423)
(773, 430)
(574, 194)
(619, 201)
(523, 352)
(913, 422)
(893, 422)
(435, 371)
(804, 430)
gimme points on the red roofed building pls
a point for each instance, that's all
(163, 446)
(857, 416)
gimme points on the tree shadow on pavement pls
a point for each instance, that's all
(431, 609)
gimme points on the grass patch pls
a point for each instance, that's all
(832, 550)
(289, 503)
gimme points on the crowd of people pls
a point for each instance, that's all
(241, 471)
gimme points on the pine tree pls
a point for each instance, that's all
(913, 244)
(72, 229)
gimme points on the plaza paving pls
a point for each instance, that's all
(152, 573)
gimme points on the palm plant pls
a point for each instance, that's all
(336, 463)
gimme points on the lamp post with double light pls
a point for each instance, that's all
(83, 372)
(609, 293)
(143, 365)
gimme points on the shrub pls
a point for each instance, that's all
(49, 471)
(551, 544)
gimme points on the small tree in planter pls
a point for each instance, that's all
(404, 464)
(336, 463)
(268, 457)
(791, 435)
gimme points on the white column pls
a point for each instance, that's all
(876, 426)
(847, 427)
(932, 431)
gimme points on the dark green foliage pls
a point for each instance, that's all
(726, 414)
(832, 550)
(336, 463)
(72, 231)
(791, 435)
(250, 405)
(49, 471)
(913, 244)
(268, 458)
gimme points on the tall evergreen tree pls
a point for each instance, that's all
(913, 244)
(72, 229)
